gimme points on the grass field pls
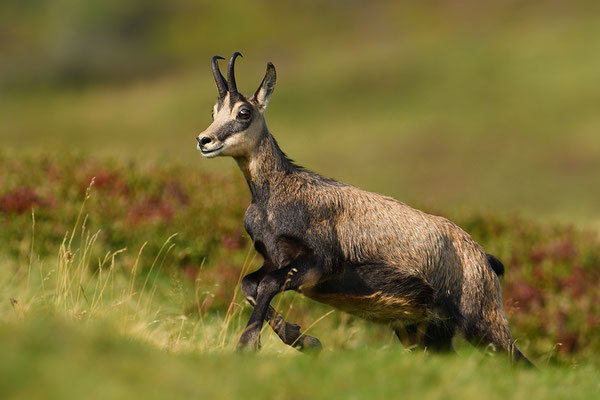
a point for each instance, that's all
(121, 250)
(107, 283)
(103, 363)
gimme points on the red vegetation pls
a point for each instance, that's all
(20, 200)
(524, 296)
(174, 190)
(568, 339)
(107, 181)
(150, 209)
(561, 249)
(576, 282)
(233, 241)
(190, 272)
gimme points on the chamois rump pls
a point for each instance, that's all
(361, 252)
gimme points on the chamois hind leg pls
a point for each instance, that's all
(435, 336)
(289, 334)
(490, 328)
(409, 335)
(438, 337)
(497, 336)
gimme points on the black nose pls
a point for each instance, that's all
(204, 141)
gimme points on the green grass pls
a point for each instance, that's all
(57, 359)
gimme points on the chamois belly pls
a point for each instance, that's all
(376, 293)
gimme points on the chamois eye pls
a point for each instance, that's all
(244, 114)
(212, 114)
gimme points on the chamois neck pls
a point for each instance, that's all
(265, 167)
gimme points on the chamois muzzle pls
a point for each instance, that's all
(209, 145)
(204, 141)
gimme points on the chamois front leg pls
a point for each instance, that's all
(287, 278)
(289, 333)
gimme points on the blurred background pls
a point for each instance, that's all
(447, 105)
(486, 112)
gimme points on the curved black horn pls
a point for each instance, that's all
(219, 79)
(231, 74)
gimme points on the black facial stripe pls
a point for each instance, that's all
(231, 127)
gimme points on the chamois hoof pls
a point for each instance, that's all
(308, 344)
(291, 335)
(249, 341)
(247, 347)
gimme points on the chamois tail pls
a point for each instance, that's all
(496, 265)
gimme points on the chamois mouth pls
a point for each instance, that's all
(212, 152)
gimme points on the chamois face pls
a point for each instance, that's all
(238, 122)
(235, 130)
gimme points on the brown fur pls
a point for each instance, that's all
(376, 307)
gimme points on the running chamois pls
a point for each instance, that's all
(361, 252)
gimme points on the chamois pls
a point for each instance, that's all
(361, 252)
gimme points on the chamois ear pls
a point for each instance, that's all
(264, 91)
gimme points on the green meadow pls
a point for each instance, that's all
(122, 250)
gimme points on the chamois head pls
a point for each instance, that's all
(238, 121)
